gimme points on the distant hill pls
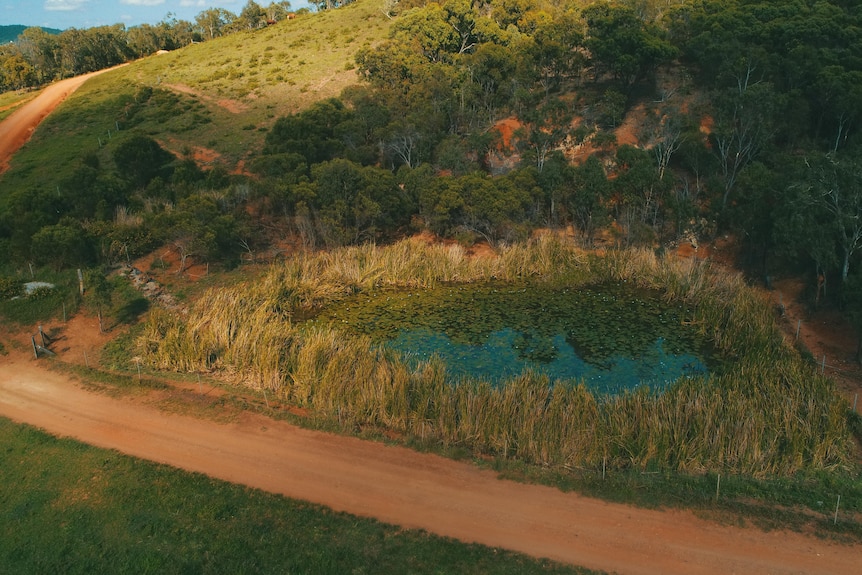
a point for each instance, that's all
(10, 33)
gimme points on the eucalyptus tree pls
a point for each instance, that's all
(214, 22)
(623, 45)
(42, 51)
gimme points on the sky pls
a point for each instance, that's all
(64, 14)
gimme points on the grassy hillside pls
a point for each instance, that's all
(221, 95)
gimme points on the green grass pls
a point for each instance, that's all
(803, 503)
(11, 101)
(69, 508)
(46, 305)
(205, 94)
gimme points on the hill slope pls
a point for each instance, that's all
(216, 98)
(10, 33)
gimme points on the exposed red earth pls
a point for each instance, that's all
(393, 484)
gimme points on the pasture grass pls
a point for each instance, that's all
(203, 95)
(66, 507)
(804, 503)
(12, 100)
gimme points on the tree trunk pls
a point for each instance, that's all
(845, 268)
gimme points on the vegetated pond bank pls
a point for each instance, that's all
(612, 336)
(766, 413)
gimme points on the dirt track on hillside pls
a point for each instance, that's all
(16, 130)
(411, 489)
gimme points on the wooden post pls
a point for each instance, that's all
(835, 520)
(35, 349)
(138, 363)
(798, 325)
(199, 384)
(604, 466)
(717, 486)
(823, 366)
(80, 281)
(264, 397)
(42, 336)
(31, 269)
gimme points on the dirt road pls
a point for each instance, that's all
(412, 489)
(17, 129)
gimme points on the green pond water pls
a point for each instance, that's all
(611, 336)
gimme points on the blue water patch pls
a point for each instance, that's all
(507, 353)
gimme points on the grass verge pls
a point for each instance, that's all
(69, 508)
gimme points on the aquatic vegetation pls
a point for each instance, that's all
(766, 412)
(612, 336)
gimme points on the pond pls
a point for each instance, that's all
(613, 337)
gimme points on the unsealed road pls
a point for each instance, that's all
(19, 126)
(415, 490)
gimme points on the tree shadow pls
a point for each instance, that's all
(131, 311)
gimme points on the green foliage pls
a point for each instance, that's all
(45, 305)
(624, 45)
(139, 159)
(311, 133)
(11, 287)
(64, 245)
(759, 87)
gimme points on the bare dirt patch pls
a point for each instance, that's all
(232, 106)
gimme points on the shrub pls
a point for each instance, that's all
(10, 287)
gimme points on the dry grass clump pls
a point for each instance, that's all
(769, 414)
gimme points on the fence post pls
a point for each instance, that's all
(717, 486)
(35, 349)
(823, 366)
(798, 325)
(835, 520)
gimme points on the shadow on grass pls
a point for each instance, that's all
(132, 310)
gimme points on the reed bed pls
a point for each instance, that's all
(771, 414)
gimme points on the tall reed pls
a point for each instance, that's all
(769, 413)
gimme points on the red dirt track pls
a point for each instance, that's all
(415, 490)
(16, 130)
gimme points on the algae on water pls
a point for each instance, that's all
(613, 337)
